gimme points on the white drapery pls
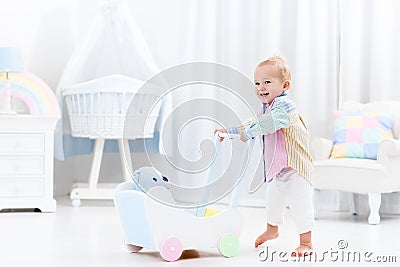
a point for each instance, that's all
(240, 34)
(338, 51)
(370, 55)
(370, 61)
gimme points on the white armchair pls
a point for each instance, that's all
(362, 176)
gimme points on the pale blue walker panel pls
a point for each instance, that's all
(133, 215)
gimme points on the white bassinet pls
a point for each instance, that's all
(111, 107)
(99, 83)
(98, 108)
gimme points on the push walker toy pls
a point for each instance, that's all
(148, 222)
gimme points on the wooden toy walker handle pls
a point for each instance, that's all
(228, 135)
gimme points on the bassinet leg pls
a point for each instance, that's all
(91, 190)
(126, 160)
(95, 169)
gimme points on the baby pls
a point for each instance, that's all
(287, 161)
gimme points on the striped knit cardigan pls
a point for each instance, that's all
(285, 136)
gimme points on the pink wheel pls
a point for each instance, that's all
(171, 249)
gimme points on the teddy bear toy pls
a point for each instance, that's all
(148, 177)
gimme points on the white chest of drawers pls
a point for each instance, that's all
(26, 162)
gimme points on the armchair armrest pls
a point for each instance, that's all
(321, 148)
(389, 157)
(388, 149)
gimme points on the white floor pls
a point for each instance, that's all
(91, 235)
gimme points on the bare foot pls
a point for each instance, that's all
(269, 234)
(304, 249)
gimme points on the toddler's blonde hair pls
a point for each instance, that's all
(281, 64)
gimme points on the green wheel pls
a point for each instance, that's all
(229, 245)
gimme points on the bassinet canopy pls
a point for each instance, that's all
(113, 53)
(114, 45)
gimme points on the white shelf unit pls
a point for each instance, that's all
(26, 162)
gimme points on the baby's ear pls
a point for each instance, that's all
(286, 85)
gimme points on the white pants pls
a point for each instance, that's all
(290, 189)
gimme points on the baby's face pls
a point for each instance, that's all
(269, 83)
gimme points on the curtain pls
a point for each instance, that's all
(370, 62)
(240, 34)
(337, 50)
(370, 55)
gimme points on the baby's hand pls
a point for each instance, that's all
(243, 138)
(222, 130)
